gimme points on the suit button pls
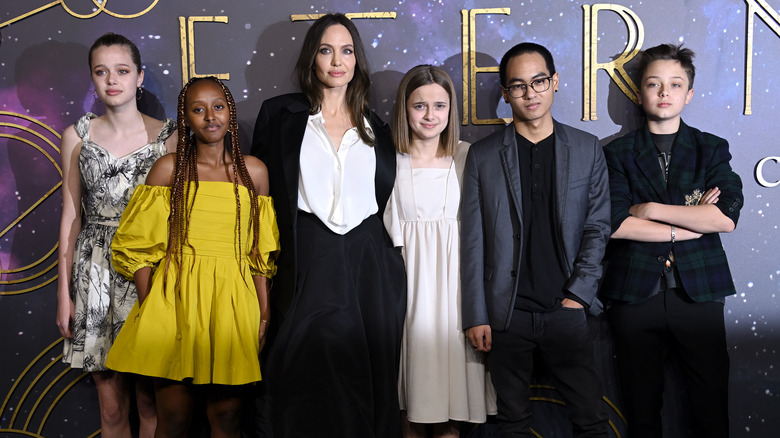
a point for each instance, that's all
(517, 236)
(513, 273)
(661, 259)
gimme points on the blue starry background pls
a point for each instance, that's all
(45, 86)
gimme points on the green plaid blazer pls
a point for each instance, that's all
(699, 162)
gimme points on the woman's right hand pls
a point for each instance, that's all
(66, 313)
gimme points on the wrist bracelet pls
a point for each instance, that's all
(674, 233)
(265, 321)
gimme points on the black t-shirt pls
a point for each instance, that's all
(541, 276)
(663, 144)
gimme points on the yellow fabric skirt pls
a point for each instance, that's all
(206, 329)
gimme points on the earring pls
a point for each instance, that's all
(95, 95)
(139, 93)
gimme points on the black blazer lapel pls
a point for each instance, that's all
(647, 162)
(680, 175)
(384, 150)
(291, 134)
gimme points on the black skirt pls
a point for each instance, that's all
(333, 368)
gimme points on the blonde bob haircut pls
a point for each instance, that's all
(412, 80)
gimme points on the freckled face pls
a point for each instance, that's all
(428, 110)
(114, 74)
(664, 90)
(206, 112)
(335, 60)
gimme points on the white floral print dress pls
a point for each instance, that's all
(103, 298)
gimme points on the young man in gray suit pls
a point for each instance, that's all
(535, 219)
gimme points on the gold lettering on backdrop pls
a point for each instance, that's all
(615, 68)
(758, 172)
(470, 68)
(100, 6)
(350, 15)
(771, 18)
(187, 35)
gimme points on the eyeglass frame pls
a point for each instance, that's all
(525, 87)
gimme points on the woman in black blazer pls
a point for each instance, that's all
(340, 292)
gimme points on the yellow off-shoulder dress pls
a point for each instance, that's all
(207, 329)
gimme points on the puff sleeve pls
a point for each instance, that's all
(142, 237)
(268, 240)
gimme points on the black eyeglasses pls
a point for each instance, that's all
(539, 85)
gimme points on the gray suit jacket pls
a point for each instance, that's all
(491, 222)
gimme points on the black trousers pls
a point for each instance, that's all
(646, 334)
(563, 339)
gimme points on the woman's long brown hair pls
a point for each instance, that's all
(357, 90)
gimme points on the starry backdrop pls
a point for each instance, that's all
(45, 86)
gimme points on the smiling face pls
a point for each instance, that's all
(663, 94)
(206, 112)
(335, 60)
(428, 110)
(115, 75)
(533, 106)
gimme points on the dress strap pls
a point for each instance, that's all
(408, 159)
(169, 127)
(450, 173)
(82, 126)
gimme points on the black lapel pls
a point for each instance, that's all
(647, 162)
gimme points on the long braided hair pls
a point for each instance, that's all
(186, 172)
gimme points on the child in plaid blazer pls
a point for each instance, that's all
(672, 191)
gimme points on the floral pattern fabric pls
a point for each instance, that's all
(102, 297)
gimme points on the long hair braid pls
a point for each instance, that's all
(240, 173)
(186, 172)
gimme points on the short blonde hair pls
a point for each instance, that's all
(412, 80)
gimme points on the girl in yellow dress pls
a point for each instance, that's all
(202, 280)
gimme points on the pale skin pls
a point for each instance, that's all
(532, 118)
(663, 94)
(207, 113)
(120, 131)
(428, 111)
(335, 68)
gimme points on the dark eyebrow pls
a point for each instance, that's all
(672, 77)
(206, 102)
(539, 75)
(330, 46)
(105, 66)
